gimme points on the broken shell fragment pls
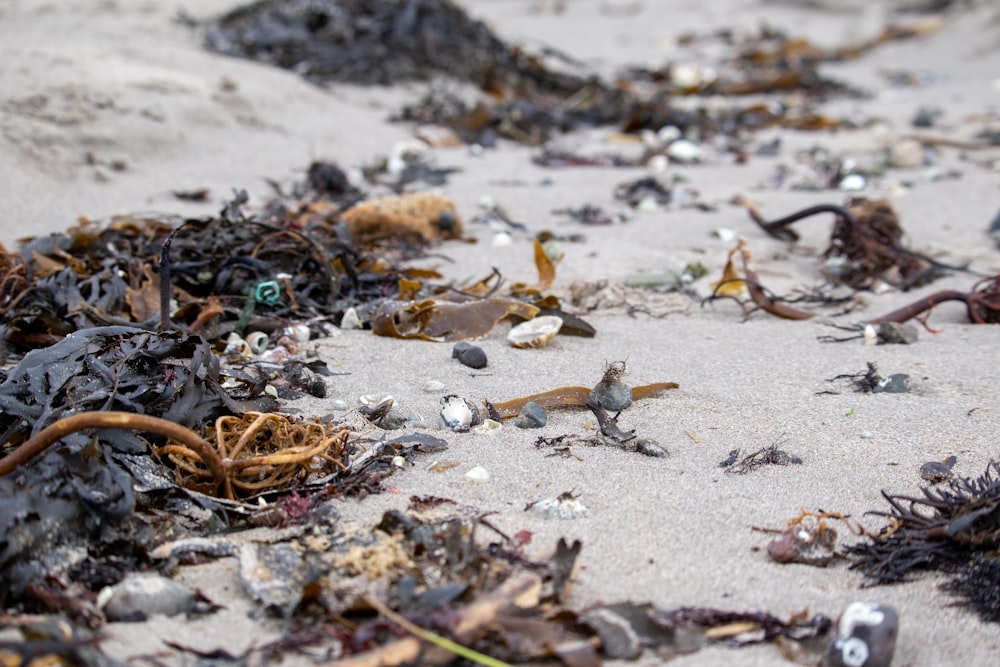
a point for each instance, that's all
(564, 506)
(479, 475)
(459, 414)
(865, 637)
(537, 332)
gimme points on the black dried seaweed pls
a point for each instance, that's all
(978, 586)
(118, 368)
(770, 455)
(943, 529)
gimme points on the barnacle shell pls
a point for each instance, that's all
(538, 332)
(236, 345)
(258, 341)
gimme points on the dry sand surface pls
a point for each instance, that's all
(107, 107)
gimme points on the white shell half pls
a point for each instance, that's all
(538, 332)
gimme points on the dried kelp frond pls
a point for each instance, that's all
(943, 529)
(259, 452)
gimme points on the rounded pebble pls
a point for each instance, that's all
(532, 415)
(141, 595)
(471, 355)
(612, 396)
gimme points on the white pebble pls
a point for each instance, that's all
(478, 475)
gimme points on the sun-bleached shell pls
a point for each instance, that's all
(538, 332)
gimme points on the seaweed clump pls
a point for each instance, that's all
(954, 528)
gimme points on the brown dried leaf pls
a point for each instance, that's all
(145, 301)
(444, 321)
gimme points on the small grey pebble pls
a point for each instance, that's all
(471, 355)
(650, 448)
(899, 334)
(338, 404)
(612, 396)
(897, 383)
(532, 415)
(867, 435)
(141, 595)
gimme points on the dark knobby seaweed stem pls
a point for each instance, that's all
(982, 304)
(944, 528)
(867, 235)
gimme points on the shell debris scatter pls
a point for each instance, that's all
(419, 216)
(537, 332)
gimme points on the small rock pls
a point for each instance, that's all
(906, 153)
(433, 386)
(936, 472)
(141, 595)
(897, 383)
(273, 574)
(898, 334)
(532, 415)
(471, 355)
(649, 448)
(612, 396)
(925, 117)
(865, 636)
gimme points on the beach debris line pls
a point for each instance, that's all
(953, 527)
(529, 96)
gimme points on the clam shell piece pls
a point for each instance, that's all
(457, 413)
(538, 332)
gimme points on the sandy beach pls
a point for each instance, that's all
(111, 107)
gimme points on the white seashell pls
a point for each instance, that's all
(277, 356)
(298, 332)
(852, 183)
(350, 319)
(668, 133)
(478, 475)
(434, 386)
(488, 427)
(502, 240)
(375, 400)
(399, 461)
(538, 332)
(258, 341)
(658, 164)
(457, 413)
(564, 506)
(871, 336)
(236, 345)
(684, 151)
